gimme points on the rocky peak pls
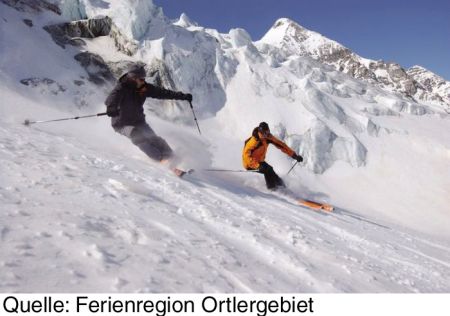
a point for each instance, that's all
(417, 83)
(427, 78)
(286, 24)
(432, 83)
(285, 30)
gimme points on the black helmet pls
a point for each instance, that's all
(137, 71)
(263, 127)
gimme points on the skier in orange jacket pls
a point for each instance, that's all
(254, 154)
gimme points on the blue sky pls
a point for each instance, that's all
(408, 32)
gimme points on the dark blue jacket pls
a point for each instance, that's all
(129, 100)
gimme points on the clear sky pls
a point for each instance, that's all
(409, 32)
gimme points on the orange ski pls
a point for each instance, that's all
(316, 206)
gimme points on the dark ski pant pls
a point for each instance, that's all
(273, 181)
(145, 138)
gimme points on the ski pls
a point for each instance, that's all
(315, 205)
(293, 197)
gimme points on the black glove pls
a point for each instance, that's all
(297, 157)
(187, 97)
(112, 112)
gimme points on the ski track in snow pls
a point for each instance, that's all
(77, 219)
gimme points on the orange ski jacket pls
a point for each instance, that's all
(255, 149)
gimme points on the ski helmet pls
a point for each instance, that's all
(137, 71)
(263, 128)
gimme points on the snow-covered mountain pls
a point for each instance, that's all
(294, 39)
(82, 202)
(431, 83)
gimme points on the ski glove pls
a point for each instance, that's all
(188, 97)
(112, 112)
(297, 157)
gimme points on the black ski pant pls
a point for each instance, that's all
(145, 138)
(273, 181)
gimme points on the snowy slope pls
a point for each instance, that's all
(83, 210)
(79, 214)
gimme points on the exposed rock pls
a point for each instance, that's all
(433, 86)
(91, 28)
(28, 22)
(32, 6)
(98, 71)
(70, 33)
(45, 85)
(79, 82)
(122, 42)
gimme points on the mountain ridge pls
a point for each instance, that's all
(293, 38)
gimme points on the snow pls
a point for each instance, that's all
(240, 37)
(83, 210)
(185, 21)
(73, 10)
(133, 17)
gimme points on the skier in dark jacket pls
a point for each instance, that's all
(125, 107)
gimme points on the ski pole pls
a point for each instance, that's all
(292, 168)
(228, 170)
(195, 118)
(28, 122)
